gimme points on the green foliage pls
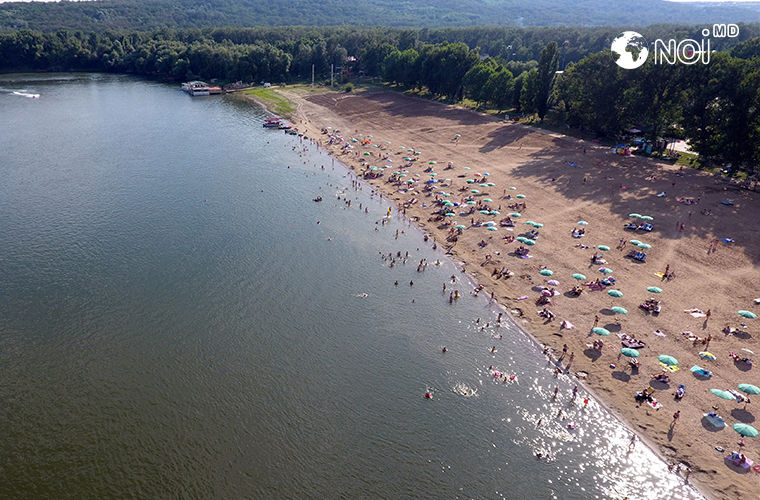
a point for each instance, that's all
(349, 87)
(272, 100)
(529, 92)
(547, 72)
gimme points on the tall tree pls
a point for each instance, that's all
(547, 72)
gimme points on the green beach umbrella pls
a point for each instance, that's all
(603, 247)
(366, 153)
(746, 430)
(579, 276)
(460, 226)
(634, 215)
(446, 194)
(520, 196)
(495, 212)
(512, 188)
(635, 242)
(747, 314)
(402, 175)
(647, 217)
(484, 212)
(654, 289)
(484, 185)
(450, 214)
(538, 224)
(470, 202)
(431, 163)
(487, 200)
(470, 181)
(723, 394)
(529, 222)
(530, 242)
(457, 135)
(448, 203)
(749, 388)
(546, 272)
(490, 184)
(631, 353)
(467, 168)
(515, 214)
(668, 360)
(474, 191)
(600, 331)
(645, 246)
(605, 270)
(521, 239)
(615, 293)
(491, 228)
(619, 310)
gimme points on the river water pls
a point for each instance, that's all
(180, 319)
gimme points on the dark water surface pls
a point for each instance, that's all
(175, 323)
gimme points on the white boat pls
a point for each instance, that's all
(196, 88)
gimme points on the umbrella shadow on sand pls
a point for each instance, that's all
(708, 426)
(613, 327)
(621, 376)
(741, 334)
(592, 354)
(742, 415)
(607, 312)
(736, 468)
(660, 386)
(741, 365)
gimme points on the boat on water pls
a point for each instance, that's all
(197, 88)
(272, 123)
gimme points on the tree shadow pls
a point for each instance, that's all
(742, 415)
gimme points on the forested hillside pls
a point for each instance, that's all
(156, 14)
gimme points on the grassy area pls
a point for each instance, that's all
(273, 101)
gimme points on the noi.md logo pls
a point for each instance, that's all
(630, 50)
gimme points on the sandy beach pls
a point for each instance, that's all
(563, 181)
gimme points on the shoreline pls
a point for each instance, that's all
(318, 116)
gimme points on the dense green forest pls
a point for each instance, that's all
(716, 107)
(156, 14)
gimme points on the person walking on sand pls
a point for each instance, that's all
(676, 416)
(707, 316)
(596, 320)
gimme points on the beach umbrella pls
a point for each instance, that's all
(520, 196)
(460, 226)
(530, 242)
(707, 355)
(603, 247)
(546, 272)
(579, 276)
(410, 181)
(467, 168)
(484, 212)
(529, 222)
(448, 203)
(446, 194)
(431, 163)
(654, 289)
(747, 314)
(605, 270)
(407, 159)
(474, 191)
(450, 214)
(667, 360)
(538, 224)
(749, 388)
(457, 135)
(615, 293)
(490, 184)
(470, 181)
(746, 430)
(631, 353)
(512, 188)
(521, 239)
(553, 282)
(433, 174)
(619, 310)
(748, 352)
(645, 246)
(515, 214)
(723, 394)
(635, 242)
(647, 217)
(495, 212)
(600, 331)
(491, 228)
(582, 223)
(487, 200)
(366, 153)
(470, 202)
(634, 215)
(483, 184)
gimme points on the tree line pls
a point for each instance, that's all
(716, 106)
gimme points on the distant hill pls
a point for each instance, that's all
(156, 14)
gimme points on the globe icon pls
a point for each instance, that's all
(629, 50)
